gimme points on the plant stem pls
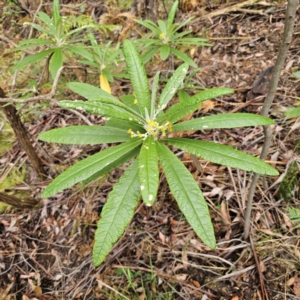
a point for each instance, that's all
(286, 40)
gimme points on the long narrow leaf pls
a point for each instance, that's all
(138, 77)
(150, 25)
(162, 26)
(164, 52)
(187, 194)
(56, 62)
(80, 50)
(148, 55)
(117, 213)
(172, 86)
(182, 109)
(231, 120)
(46, 19)
(55, 11)
(95, 94)
(103, 161)
(32, 59)
(182, 24)
(85, 135)
(182, 56)
(98, 108)
(172, 14)
(31, 43)
(120, 161)
(148, 171)
(223, 155)
(42, 29)
(153, 94)
(126, 125)
(89, 91)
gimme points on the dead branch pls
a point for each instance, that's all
(230, 9)
(286, 40)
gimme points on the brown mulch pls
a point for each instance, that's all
(45, 253)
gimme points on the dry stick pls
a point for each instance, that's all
(264, 293)
(36, 98)
(28, 202)
(287, 38)
(22, 135)
(229, 9)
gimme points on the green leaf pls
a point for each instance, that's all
(76, 30)
(98, 108)
(148, 171)
(59, 33)
(32, 59)
(150, 25)
(120, 161)
(56, 62)
(211, 94)
(137, 75)
(172, 14)
(41, 29)
(162, 26)
(176, 37)
(164, 52)
(182, 56)
(94, 94)
(82, 135)
(292, 112)
(177, 111)
(117, 213)
(187, 194)
(89, 91)
(31, 44)
(153, 94)
(80, 50)
(149, 54)
(183, 96)
(55, 11)
(193, 41)
(223, 155)
(129, 100)
(123, 124)
(103, 161)
(172, 86)
(46, 20)
(231, 120)
(180, 25)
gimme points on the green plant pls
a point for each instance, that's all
(55, 38)
(167, 38)
(293, 112)
(143, 125)
(107, 60)
(294, 215)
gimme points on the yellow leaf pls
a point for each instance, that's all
(104, 84)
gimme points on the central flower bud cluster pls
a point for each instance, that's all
(152, 128)
(164, 38)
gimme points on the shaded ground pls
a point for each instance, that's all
(46, 252)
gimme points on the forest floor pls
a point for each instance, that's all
(45, 253)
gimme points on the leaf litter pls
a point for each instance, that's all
(46, 252)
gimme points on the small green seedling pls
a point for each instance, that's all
(107, 60)
(167, 38)
(143, 126)
(292, 112)
(55, 38)
(294, 215)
